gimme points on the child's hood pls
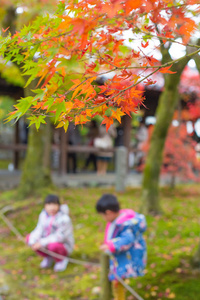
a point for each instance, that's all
(125, 215)
(130, 218)
(64, 209)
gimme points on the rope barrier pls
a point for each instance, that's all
(44, 250)
(130, 289)
(55, 255)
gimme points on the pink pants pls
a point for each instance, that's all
(54, 247)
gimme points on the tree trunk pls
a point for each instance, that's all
(10, 20)
(173, 181)
(36, 170)
(164, 114)
(196, 257)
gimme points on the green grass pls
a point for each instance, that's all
(4, 164)
(171, 238)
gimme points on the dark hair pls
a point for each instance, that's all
(107, 202)
(52, 199)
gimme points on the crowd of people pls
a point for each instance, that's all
(104, 140)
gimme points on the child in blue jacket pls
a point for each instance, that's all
(123, 240)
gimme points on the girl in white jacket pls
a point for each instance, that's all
(54, 232)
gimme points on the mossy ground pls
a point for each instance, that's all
(171, 238)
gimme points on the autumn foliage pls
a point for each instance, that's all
(82, 41)
(179, 157)
(189, 91)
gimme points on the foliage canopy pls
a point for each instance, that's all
(84, 40)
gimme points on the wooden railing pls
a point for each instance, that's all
(63, 148)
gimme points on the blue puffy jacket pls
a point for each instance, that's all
(127, 245)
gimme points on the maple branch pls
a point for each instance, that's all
(115, 67)
(169, 39)
(131, 86)
(158, 68)
(171, 7)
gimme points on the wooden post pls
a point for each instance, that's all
(16, 141)
(127, 130)
(196, 258)
(127, 135)
(121, 168)
(106, 291)
(63, 152)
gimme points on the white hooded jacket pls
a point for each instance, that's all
(54, 229)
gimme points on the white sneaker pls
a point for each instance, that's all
(46, 263)
(61, 265)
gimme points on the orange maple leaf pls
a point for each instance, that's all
(132, 4)
(145, 45)
(79, 25)
(117, 114)
(81, 119)
(4, 30)
(69, 105)
(186, 29)
(78, 104)
(108, 121)
(111, 9)
(166, 70)
(65, 24)
(76, 83)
